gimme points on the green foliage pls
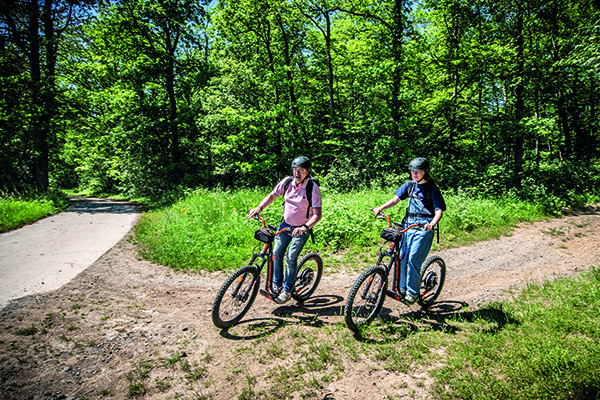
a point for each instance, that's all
(206, 230)
(209, 230)
(147, 98)
(348, 221)
(472, 218)
(553, 186)
(19, 209)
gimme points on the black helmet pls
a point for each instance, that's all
(301, 162)
(419, 163)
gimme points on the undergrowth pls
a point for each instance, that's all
(22, 208)
(209, 230)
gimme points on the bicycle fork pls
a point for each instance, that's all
(268, 291)
(244, 295)
(365, 294)
(428, 283)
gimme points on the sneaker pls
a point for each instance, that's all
(276, 289)
(283, 298)
(410, 299)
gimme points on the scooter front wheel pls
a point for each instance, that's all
(433, 276)
(310, 270)
(235, 297)
(366, 297)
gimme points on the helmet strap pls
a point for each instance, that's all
(304, 180)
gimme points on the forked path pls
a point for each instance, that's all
(123, 322)
(49, 253)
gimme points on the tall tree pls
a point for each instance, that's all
(35, 29)
(320, 14)
(394, 22)
(159, 29)
(520, 85)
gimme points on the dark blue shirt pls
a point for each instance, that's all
(428, 193)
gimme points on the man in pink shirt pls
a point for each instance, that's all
(299, 217)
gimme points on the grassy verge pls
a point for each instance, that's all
(18, 210)
(545, 346)
(542, 344)
(209, 230)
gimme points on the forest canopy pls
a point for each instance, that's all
(141, 97)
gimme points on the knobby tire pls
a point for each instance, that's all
(235, 297)
(363, 304)
(310, 270)
(433, 276)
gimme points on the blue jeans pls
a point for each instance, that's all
(416, 246)
(296, 244)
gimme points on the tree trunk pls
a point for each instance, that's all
(170, 87)
(290, 79)
(519, 92)
(581, 142)
(592, 131)
(40, 123)
(560, 101)
(329, 69)
(397, 33)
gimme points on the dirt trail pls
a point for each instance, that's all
(125, 322)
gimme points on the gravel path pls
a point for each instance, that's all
(94, 335)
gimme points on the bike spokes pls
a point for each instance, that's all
(366, 297)
(370, 296)
(235, 297)
(433, 275)
(310, 270)
(304, 280)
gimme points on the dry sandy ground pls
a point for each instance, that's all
(127, 327)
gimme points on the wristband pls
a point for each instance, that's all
(306, 226)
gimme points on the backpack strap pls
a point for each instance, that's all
(410, 189)
(428, 199)
(287, 185)
(309, 190)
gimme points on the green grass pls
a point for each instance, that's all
(546, 346)
(209, 230)
(544, 343)
(18, 210)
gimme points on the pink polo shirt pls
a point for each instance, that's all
(294, 209)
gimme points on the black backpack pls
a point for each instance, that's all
(309, 189)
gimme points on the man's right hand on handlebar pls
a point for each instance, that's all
(254, 212)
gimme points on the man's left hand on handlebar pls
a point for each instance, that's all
(299, 230)
(428, 227)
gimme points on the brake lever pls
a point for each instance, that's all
(255, 215)
(380, 215)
